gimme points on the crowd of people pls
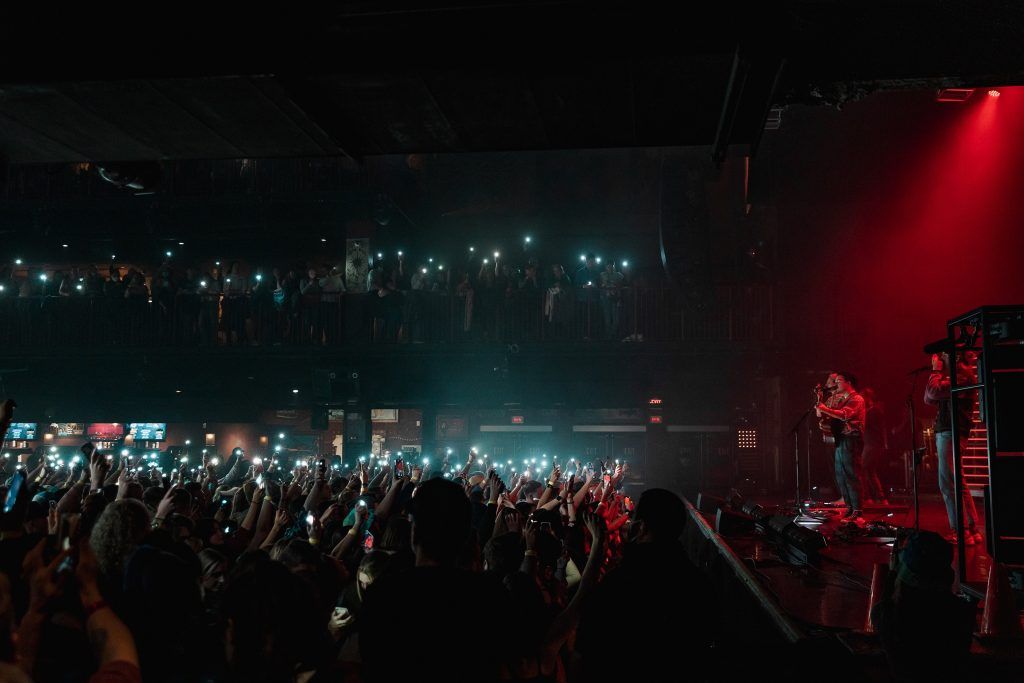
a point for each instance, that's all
(111, 572)
(485, 299)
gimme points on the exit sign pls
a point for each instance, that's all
(655, 419)
(518, 419)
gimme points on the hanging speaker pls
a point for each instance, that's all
(356, 428)
(318, 418)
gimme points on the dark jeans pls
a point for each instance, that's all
(849, 449)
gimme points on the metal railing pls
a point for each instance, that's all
(735, 314)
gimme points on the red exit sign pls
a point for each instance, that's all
(518, 419)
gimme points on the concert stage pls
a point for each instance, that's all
(822, 605)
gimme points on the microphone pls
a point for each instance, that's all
(923, 368)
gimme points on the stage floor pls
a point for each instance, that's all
(834, 594)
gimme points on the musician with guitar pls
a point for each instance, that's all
(845, 411)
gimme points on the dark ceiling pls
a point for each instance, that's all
(359, 79)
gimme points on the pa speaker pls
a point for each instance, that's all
(318, 418)
(336, 385)
(356, 428)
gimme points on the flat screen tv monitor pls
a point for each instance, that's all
(105, 431)
(148, 431)
(22, 431)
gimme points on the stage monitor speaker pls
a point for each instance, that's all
(728, 523)
(708, 504)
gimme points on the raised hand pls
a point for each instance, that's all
(44, 582)
(98, 468)
(166, 505)
(282, 519)
(331, 511)
(52, 519)
(595, 524)
(530, 534)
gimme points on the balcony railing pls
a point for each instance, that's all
(735, 314)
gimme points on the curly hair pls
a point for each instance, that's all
(116, 534)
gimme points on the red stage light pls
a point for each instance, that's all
(993, 93)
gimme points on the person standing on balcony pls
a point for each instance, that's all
(587, 280)
(611, 299)
(332, 293)
(236, 304)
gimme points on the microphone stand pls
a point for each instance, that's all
(795, 431)
(915, 453)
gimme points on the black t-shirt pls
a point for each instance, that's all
(665, 602)
(450, 616)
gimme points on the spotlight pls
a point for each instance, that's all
(64, 245)
(188, 442)
(496, 255)
(277, 448)
(295, 391)
(166, 252)
(17, 261)
(527, 239)
(583, 257)
(280, 435)
(597, 258)
(625, 264)
(323, 239)
(125, 451)
(472, 249)
(42, 276)
(181, 244)
(993, 93)
(215, 461)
